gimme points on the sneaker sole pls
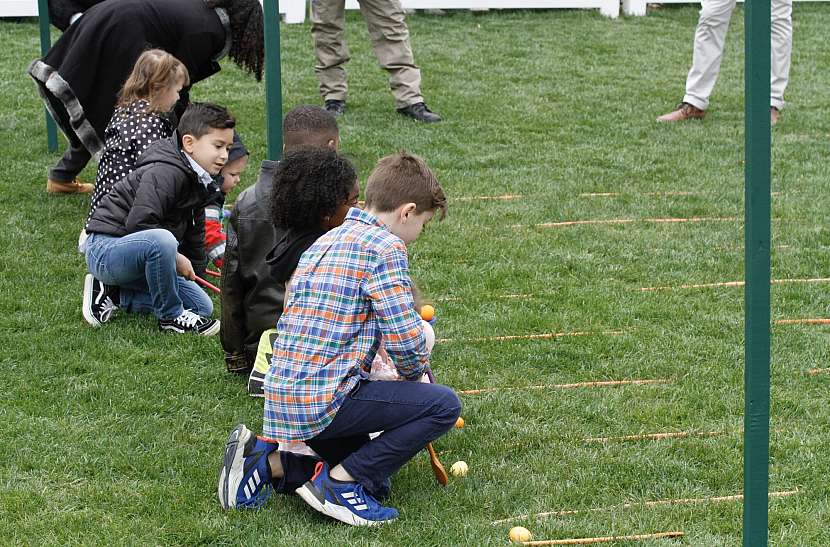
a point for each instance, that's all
(230, 476)
(213, 330)
(314, 498)
(86, 308)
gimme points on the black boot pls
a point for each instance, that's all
(420, 112)
(335, 107)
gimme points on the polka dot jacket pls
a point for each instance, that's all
(130, 131)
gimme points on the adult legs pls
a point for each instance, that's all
(143, 266)
(327, 29)
(72, 162)
(782, 47)
(386, 22)
(410, 414)
(710, 38)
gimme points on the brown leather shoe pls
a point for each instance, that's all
(75, 186)
(685, 111)
(774, 114)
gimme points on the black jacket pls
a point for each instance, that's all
(162, 192)
(251, 297)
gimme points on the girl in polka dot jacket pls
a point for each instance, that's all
(142, 117)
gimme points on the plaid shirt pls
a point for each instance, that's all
(350, 290)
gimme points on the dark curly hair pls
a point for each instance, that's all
(310, 183)
(247, 33)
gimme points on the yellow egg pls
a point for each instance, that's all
(459, 469)
(459, 423)
(519, 534)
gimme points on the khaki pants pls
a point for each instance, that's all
(390, 40)
(710, 37)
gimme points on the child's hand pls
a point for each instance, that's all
(184, 268)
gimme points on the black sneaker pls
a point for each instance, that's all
(190, 322)
(99, 301)
(420, 112)
(335, 107)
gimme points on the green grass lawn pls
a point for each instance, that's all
(114, 435)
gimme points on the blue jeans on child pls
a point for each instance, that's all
(410, 414)
(143, 266)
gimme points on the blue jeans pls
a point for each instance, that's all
(410, 414)
(143, 266)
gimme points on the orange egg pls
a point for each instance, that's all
(427, 312)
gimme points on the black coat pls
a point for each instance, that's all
(252, 298)
(61, 11)
(87, 66)
(162, 192)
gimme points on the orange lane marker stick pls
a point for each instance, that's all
(736, 284)
(606, 539)
(814, 321)
(656, 436)
(476, 198)
(632, 194)
(601, 383)
(655, 503)
(504, 296)
(543, 336)
(625, 221)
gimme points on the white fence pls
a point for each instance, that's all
(295, 10)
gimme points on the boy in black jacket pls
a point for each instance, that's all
(146, 238)
(251, 296)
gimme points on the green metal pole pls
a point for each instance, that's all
(757, 266)
(45, 44)
(273, 80)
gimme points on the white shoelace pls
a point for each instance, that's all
(107, 309)
(188, 319)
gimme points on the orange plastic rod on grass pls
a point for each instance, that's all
(606, 539)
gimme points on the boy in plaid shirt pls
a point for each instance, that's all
(350, 290)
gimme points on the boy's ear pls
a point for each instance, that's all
(405, 210)
(187, 143)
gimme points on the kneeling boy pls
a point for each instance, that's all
(148, 233)
(350, 290)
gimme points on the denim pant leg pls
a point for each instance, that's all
(143, 266)
(192, 296)
(411, 414)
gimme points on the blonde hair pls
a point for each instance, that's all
(154, 72)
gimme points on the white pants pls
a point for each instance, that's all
(710, 37)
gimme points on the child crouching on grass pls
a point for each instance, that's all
(350, 290)
(148, 233)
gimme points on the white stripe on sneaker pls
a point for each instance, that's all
(256, 476)
(360, 507)
(247, 492)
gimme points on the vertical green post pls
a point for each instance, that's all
(757, 266)
(45, 44)
(273, 79)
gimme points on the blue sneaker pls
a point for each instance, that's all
(244, 480)
(345, 501)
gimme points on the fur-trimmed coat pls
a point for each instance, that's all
(81, 75)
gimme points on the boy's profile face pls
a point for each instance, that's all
(232, 172)
(210, 150)
(410, 223)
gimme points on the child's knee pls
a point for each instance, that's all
(164, 242)
(447, 404)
